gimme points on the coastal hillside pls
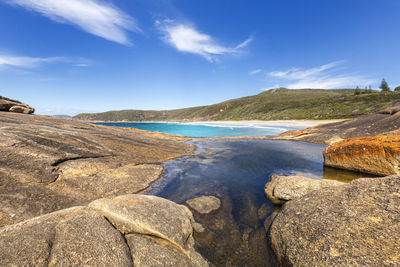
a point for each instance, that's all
(274, 104)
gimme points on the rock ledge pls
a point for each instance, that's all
(284, 188)
(355, 224)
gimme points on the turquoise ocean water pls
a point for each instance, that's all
(203, 130)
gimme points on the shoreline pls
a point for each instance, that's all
(289, 123)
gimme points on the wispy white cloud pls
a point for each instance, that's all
(188, 39)
(33, 62)
(93, 16)
(323, 77)
(27, 62)
(245, 43)
(82, 65)
(253, 72)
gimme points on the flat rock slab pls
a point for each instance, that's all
(283, 188)
(355, 224)
(91, 236)
(368, 125)
(48, 164)
(204, 204)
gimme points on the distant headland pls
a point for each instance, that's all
(274, 104)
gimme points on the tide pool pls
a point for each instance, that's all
(202, 130)
(235, 171)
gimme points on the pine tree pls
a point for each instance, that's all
(384, 86)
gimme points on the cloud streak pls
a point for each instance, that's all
(92, 16)
(34, 62)
(254, 72)
(322, 77)
(187, 39)
(27, 62)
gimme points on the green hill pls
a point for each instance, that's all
(275, 104)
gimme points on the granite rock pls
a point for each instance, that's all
(7, 104)
(355, 224)
(91, 236)
(49, 164)
(368, 125)
(283, 188)
(378, 155)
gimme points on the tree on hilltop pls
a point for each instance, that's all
(397, 88)
(384, 86)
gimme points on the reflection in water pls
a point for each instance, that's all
(236, 171)
(343, 175)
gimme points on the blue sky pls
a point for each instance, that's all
(71, 56)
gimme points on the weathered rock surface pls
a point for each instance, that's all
(11, 105)
(104, 234)
(204, 204)
(356, 224)
(369, 125)
(48, 164)
(378, 155)
(390, 110)
(283, 188)
(140, 214)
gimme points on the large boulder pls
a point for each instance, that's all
(7, 104)
(379, 155)
(283, 188)
(355, 224)
(131, 230)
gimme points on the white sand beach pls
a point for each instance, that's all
(287, 123)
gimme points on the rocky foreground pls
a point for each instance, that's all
(355, 224)
(67, 196)
(48, 164)
(328, 223)
(122, 231)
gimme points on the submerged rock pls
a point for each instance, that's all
(263, 211)
(355, 224)
(125, 231)
(379, 155)
(283, 188)
(11, 105)
(204, 204)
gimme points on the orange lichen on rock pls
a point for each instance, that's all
(378, 155)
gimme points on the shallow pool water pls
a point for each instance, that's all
(236, 171)
(203, 130)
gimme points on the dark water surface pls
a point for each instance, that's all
(236, 171)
